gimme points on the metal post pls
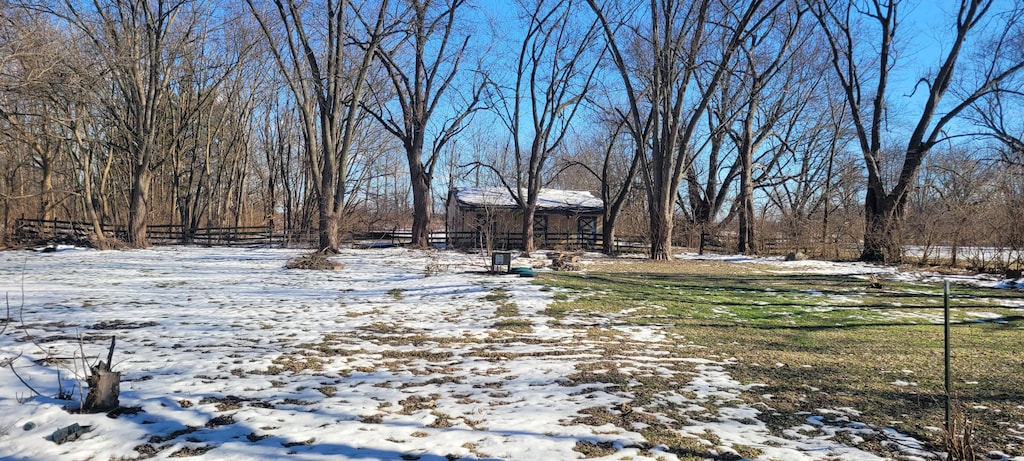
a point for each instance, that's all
(949, 384)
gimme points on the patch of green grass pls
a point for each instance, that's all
(497, 294)
(506, 310)
(516, 325)
(820, 342)
(747, 452)
(772, 300)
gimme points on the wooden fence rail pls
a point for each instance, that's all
(501, 241)
(52, 230)
(30, 230)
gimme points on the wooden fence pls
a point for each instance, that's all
(500, 241)
(37, 230)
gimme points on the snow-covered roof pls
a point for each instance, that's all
(577, 201)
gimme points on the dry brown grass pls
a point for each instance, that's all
(313, 261)
(959, 439)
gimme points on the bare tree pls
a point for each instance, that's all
(138, 43)
(326, 64)
(800, 183)
(866, 89)
(423, 60)
(33, 72)
(713, 167)
(772, 90)
(217, 88)
(555, 67)
(679, 43)
(289, 202)
(614, 170)
(948, 204)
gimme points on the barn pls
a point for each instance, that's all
(489, 217)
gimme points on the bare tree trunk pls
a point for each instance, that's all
(608, 236)
(46, 192)
(139, 206)
(661, 231)
(617, 199)
(529, 212)
(745, 243)
(105, 212)
(329, 225)
(422, 205)
(99, 237)
(882, 231)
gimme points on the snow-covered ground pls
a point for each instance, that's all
(402, 354)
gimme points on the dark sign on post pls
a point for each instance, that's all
(501, 261)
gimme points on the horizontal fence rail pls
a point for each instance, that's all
(35, 230)
(498, 241)
(29, 231)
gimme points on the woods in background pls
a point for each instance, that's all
(751, 126)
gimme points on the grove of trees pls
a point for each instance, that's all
(827, 127)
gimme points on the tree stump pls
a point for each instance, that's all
(104, 386)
